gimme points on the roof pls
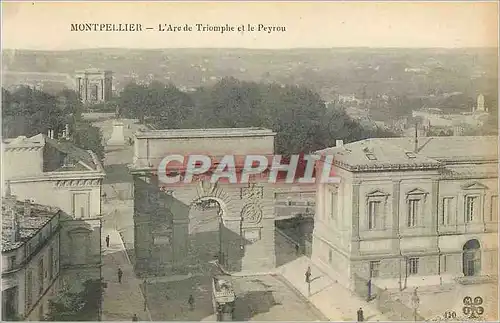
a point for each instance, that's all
(28, 225)
(431, 152)
(205, 133)
(79, 159)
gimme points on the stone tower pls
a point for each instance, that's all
(94, 86)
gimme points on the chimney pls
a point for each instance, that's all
(27, 208)
(339, 143)
(50, 134)
(10, 203)
(415, 148)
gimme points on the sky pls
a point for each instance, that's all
(47, 25)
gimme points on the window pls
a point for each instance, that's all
(413, 208)
(471, 205)
(51, 262)
(413, 266)
(333, 205)
(494, 209)
(29, 288)
(40, 276)
(12, 262)
(446, 214)
(374, 269)
(373, 214)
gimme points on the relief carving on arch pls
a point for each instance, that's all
(205, 188)
(251, 213)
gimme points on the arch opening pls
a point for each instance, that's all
(206, 231)
(471, 258)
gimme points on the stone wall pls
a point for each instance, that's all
(162, 225)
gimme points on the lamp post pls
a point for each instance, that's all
(415, 302)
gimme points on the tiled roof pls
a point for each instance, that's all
(81, 159)
(399, 152)
(76, 154)
(28, 225)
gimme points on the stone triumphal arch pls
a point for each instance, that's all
(162, 232)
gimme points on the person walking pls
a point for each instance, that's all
(120, 275)
(191, 302)
(107, 241)
(361, 317)
(135, 318)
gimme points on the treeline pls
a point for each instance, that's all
(28, 112)
(298, 115)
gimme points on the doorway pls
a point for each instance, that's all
(471, 258)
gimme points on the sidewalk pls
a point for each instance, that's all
(120, 301)
(333, 300)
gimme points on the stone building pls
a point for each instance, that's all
(410, 213)
(94, 86)
(54, 172)
(165, 224)
(58, 177)
(30, 258)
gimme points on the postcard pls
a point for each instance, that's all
(250, 161)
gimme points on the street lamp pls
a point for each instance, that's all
(415, 302)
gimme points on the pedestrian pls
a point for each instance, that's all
(308, 274)
(191, 302)
(361, 317)
(120, 274)
(135, 318)
(297, 248)
(369, 285)
(107, 241)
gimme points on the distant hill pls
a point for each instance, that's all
(362, 71)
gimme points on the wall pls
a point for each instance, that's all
(18, 162)
(42, 289)
(157, 149)
(154, 209)
(47, 192)
(392, 242)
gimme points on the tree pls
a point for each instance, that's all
(88, 137)
(29, 112)
(83, 305)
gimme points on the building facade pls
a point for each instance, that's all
(49, 176)
(94, 86)
(30, 258)
(166, 236)
(410, 213)
(54, 172)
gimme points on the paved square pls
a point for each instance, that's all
(261, 298)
